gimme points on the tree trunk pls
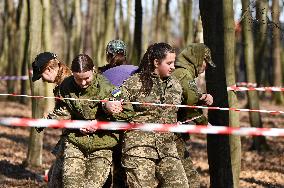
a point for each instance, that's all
(76, 35)
(187, 25)
(229, 61)
(159, 15)
(126, 34)
(24, 30)
(259, 142)
(34, 156)
(137, 43)
(109, 29)
(98, 23)
(46, 36)
(12, 50)
(261, 39)
(218, 146)
(278, 96)
(4, 41)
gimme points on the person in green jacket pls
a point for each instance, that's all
(191, 62)
(87, 156)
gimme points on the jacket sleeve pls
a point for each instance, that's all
(190, 96)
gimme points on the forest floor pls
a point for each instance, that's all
(259, 170)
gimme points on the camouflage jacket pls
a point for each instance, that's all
(150, 144)
(99, 89)
(187, 65)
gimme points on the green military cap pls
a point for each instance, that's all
(116, 46)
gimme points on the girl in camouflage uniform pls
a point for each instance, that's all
(87, 157)
(151, 159)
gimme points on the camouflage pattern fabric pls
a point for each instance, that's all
(191, 173)
(84, 171)
(147, 173)
(142, 148)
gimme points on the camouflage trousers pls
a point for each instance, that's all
(191, 173)
(149, 173)
(85, 171)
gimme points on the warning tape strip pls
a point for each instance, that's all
(14, 77)
(270, 89)
(273, 112)
(178, 128)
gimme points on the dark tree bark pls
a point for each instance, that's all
(137, 43)
(218, 146)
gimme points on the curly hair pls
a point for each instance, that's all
(156, 51)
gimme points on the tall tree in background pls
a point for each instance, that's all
(11, 34)
(77, 32)
(66, 11)
(229, 62)
(159, 18)
(24, 42)
(109, 29)
(218, 146)
(4, 38)
(165, 24)
(276, 49)
(187, 23)
(259, 142)
(46, 39)
(34, 156)
(260, 39)
(98, 23)
(127, 38)
(137, 43)
(88, 37)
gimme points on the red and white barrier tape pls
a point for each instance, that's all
(178, 128)
(14, 77)
(246, 84)
(274, 112)
(270, 89)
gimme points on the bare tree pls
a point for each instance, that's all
(187, 24)
(260, 38)
(223, 151)
(278, 96)
(137, 43)
(259, 142)
(46, 38)
(34, 156)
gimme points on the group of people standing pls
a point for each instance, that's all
(88, 157)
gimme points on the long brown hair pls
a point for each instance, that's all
(63, 70)
(146, 68)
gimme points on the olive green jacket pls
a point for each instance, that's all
(187, 64)
(99, 89)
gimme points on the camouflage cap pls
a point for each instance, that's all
(115, 47)
(40, 61)
(208, 58)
